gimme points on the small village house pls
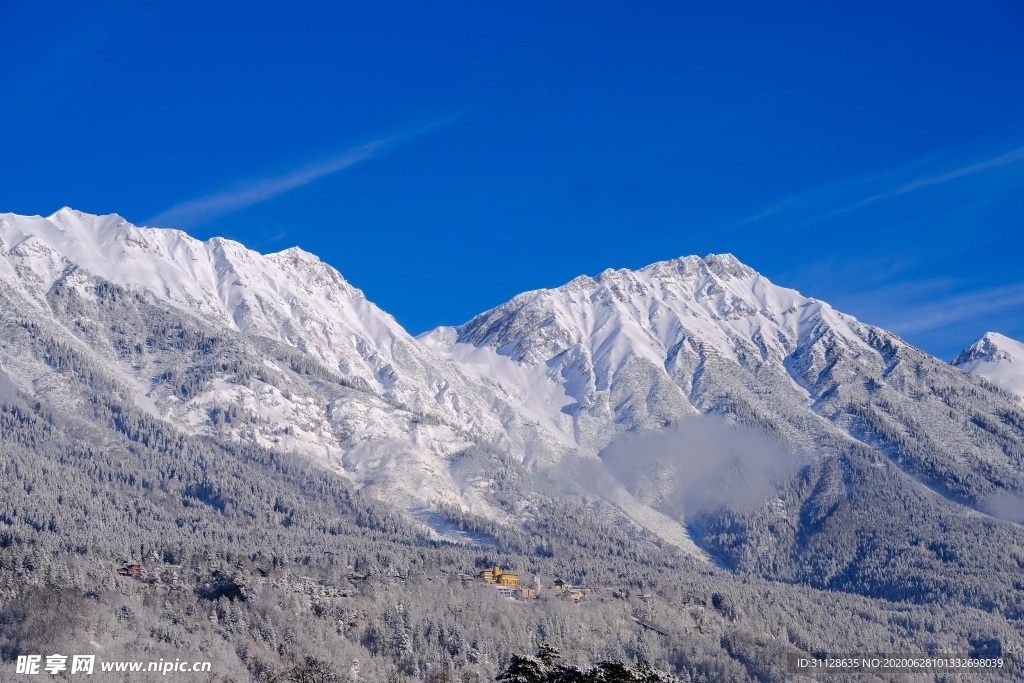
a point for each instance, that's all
(497, 577)
(130, 569)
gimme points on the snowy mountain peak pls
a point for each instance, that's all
(724, 266)
(299, 253)
(653, 331)
(992, 347)
(650, 310)
(165, 261)
(88, 226)
(997, 358)
(291, 296)
(304, 360)
(66, 213)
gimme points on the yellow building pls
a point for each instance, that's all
(500, 578)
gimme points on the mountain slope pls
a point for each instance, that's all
(258, 560)
(560, 432)
(278, 350)
(290, 297)
(998, 359)
(892, 439)
(193, 329)
(635, 350)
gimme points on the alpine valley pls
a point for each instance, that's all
(212, 453)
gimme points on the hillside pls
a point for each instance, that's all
(255, 433)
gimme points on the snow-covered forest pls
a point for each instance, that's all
(218, 455)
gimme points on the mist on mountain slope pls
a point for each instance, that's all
(1006, 506)
(701, 465)
(7, 388)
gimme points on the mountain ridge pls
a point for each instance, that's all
(397, 422)
(551, 376)
(690, 418)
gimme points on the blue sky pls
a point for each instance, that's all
(445, 157)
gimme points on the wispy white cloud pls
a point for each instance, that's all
(916, 307)
(835, 274)
(250, 192)
(965, 170)
(835, 199)
(935, 315)
(923, 182)
(930, 257)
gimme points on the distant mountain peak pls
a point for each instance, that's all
(65, 211)
(720, 267)
(991, 346)
(997, 358)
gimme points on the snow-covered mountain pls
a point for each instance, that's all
(212, 328)
(281, 351)
(998, 359)
(291, 296)
(173, 390)
(629, 349)
(639, 350)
